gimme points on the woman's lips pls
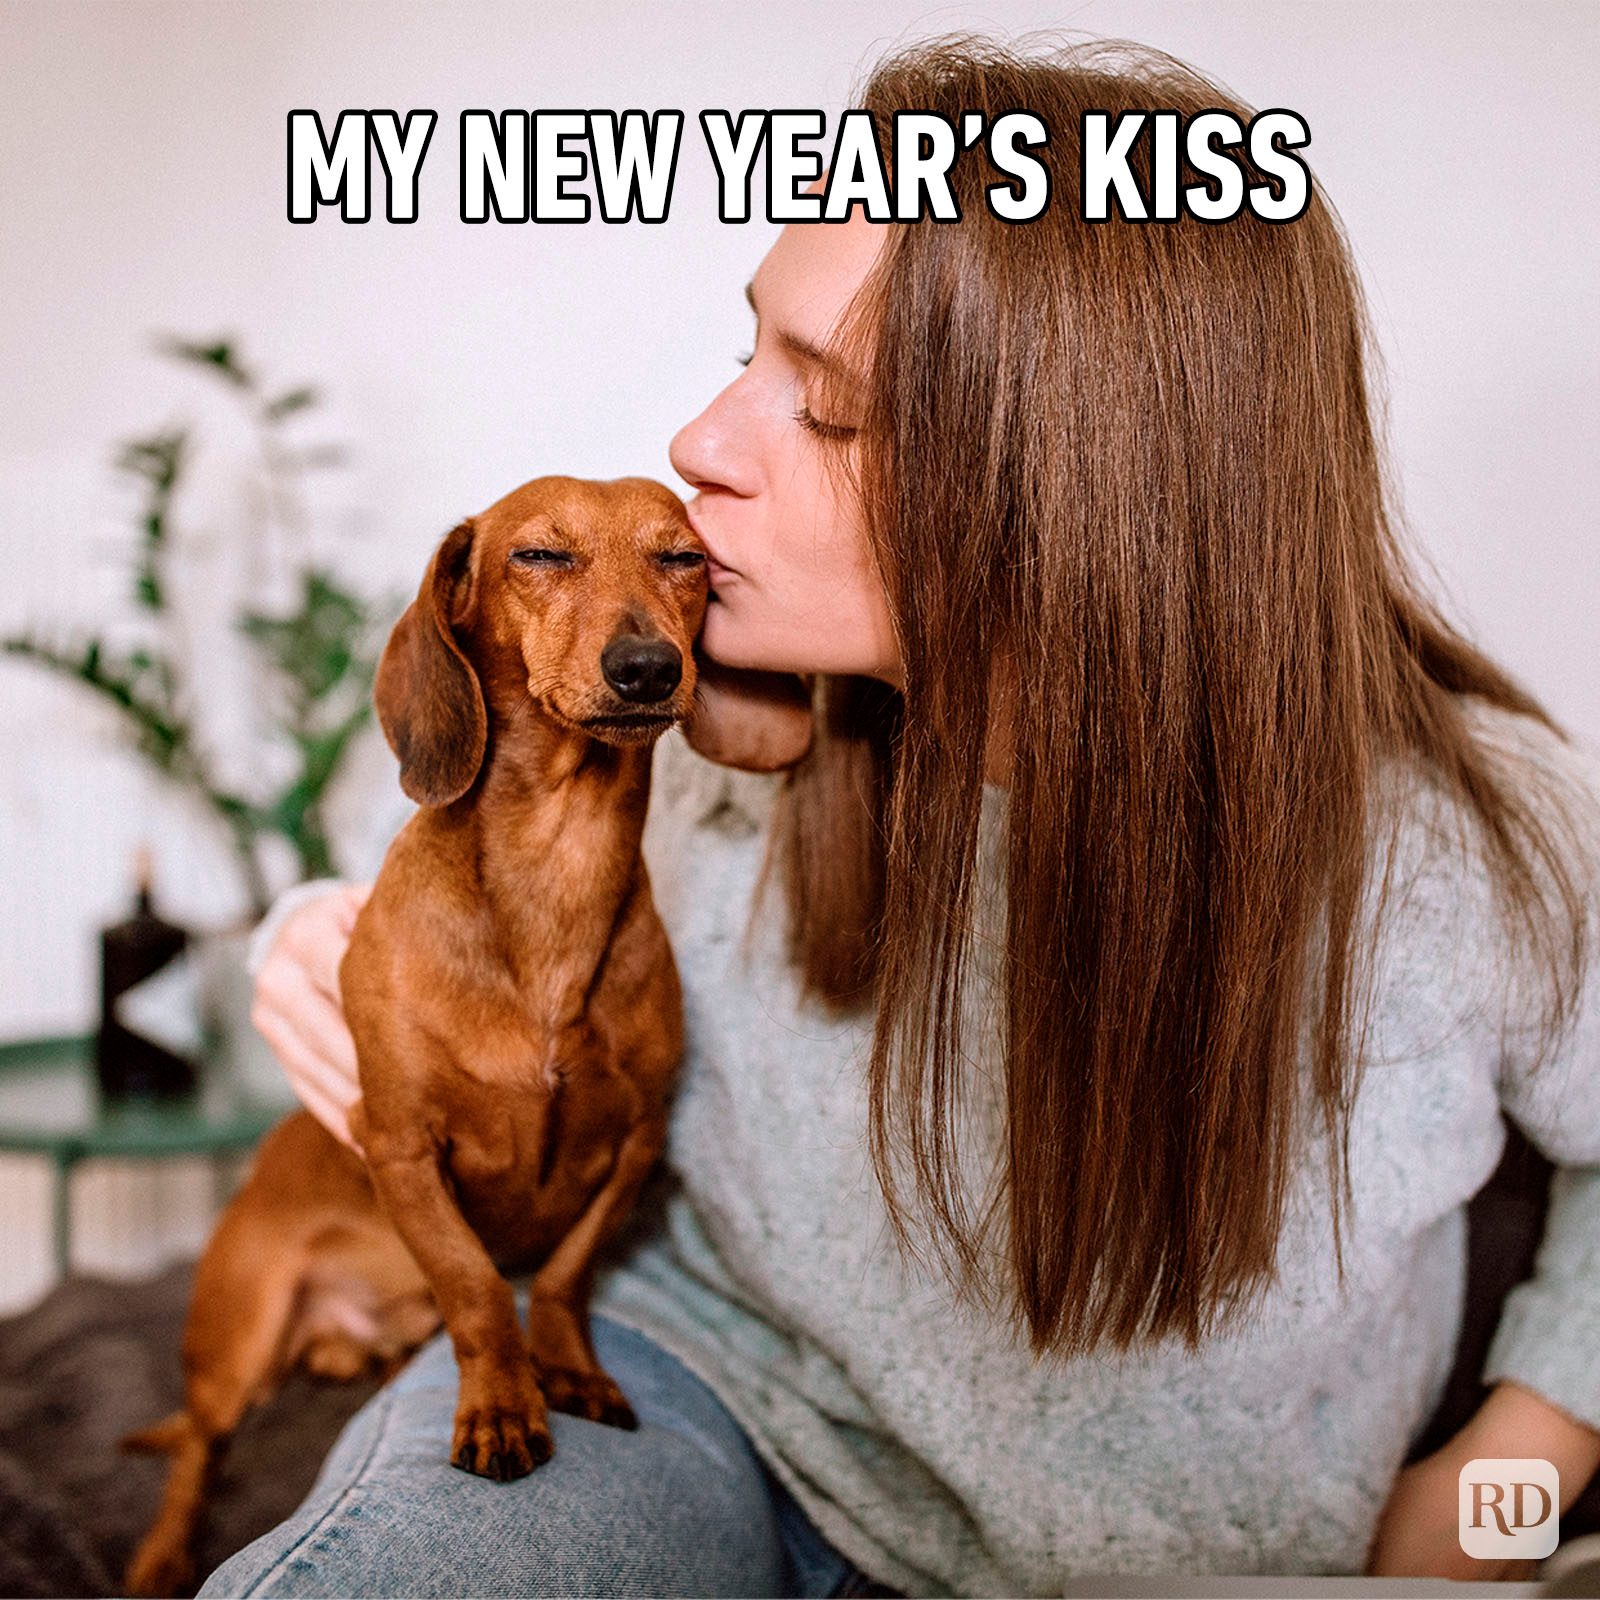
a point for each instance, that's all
(714, 567)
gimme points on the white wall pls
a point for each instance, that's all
(142, 160)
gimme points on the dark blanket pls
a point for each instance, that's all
(93, 1360)
(97, 1358)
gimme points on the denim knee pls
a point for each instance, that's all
(680, 1506)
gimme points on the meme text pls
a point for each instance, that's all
(528, 166)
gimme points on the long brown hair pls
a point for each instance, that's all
(1132, 471)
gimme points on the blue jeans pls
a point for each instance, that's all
(682, 1506)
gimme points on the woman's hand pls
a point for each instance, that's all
(1418, 1534)
(299, 1012)
(760, 721)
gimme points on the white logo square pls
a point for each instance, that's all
(1510, 1507)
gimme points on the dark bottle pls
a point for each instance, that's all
(128, 1065)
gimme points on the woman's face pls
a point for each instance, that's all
(793, 588)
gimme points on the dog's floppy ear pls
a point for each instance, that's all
(429, 701)
(760, 721)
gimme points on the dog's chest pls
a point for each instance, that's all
(525, 1161)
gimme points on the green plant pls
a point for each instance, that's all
(319, 657)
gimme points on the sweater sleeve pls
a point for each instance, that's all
(1548, 1335)
(278, 913)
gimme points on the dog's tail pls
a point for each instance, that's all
(160, 1438)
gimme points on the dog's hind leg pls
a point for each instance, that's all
(245, 1293)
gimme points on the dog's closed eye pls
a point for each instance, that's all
(539, 556)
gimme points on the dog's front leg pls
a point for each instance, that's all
(502, 1425)
(558, 1297)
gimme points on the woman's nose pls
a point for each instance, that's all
(715, 450)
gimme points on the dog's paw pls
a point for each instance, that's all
(593, 1395)
(160, 1438)
(159, 1571)
(499, 1442)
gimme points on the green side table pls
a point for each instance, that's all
(51, 1105)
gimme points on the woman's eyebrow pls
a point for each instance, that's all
(801, 348)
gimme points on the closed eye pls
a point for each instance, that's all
(681, 558)
(812, 424)
(538, 556)
(823, 430)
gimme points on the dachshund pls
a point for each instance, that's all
(511, 991)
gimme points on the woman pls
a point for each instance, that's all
(1022, 1217)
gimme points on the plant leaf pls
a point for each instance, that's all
(287, 404)
(218, 356)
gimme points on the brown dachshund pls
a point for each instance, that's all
(511, 992)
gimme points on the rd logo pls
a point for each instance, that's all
(1509, 1507)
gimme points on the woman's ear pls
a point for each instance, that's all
(429, 701)
(759, 721)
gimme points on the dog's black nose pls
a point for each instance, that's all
(641, 670)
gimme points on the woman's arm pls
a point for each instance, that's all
(1545, 1372)
(298, 1010)
(1516, 1416)
(1547, 1341)
(1543, 1363)
(1544, 1360)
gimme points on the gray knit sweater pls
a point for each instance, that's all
(936, 1454)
